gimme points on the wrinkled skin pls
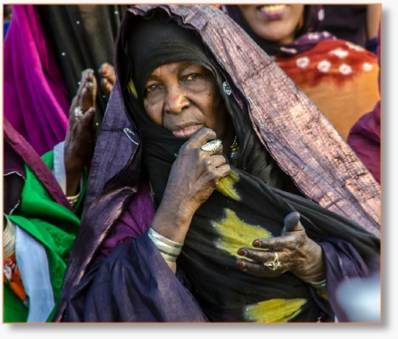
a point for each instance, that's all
(80, 136)
(297, 253)
(184, 98)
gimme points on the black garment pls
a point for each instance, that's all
(346, 22)
(82, 36)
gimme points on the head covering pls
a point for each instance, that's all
(305, 37)
(155, 42)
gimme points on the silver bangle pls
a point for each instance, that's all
(319, 285)
(169, 249)
(9, 237)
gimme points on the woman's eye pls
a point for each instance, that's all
(191, 77)
(151, 89)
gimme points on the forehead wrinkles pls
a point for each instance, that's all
(165, 70)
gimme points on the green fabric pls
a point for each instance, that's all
(14, 310)
(52, 225)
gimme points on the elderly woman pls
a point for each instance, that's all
(200, 203)
(338, 76)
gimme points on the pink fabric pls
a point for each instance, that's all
(35, 96)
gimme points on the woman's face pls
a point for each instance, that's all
(273, 22)
(183, 97)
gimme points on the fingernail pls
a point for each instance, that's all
(240, 263)
(256, 243)
(242, 252)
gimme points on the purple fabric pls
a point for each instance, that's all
(134, 221)
(364, 136)
(36, 101)
(14, 178)
(342, 262)
(364, 139)
(20, 146)
(133, 284)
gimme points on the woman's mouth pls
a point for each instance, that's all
(186, 132)
(272, 12)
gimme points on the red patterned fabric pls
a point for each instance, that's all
(332, 75)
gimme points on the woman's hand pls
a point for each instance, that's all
(80, 137)
(293, 251)
(193, 178)
(107, 78)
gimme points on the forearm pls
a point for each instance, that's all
(73, 174)
(169, 228)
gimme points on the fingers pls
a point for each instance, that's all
(108, 76)
(85, 96)
(199, 138)
(292, 221)
(257, 269)
(107, 71)
(88, 93)
(258, 256)
(277, 243)
(88, 118)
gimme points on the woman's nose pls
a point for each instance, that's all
(175, 101)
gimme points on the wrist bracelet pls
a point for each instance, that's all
(319, 285)
(9, 237)
(169, 249)
(73, 199)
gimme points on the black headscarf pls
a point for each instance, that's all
(161, 42)
(155, 40)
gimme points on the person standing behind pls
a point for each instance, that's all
(338, 76)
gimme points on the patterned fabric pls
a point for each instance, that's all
(339, 77)
(12, 277)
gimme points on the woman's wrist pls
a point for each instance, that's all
(172, 221)
(313, 270)
(73, 173)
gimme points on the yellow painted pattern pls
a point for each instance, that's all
(274, 310)
(132, 88)
(235, 233)
(226, 186)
